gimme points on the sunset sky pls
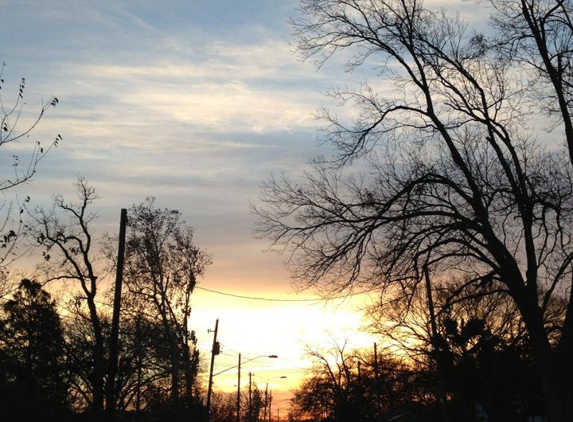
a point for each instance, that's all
(194, 102)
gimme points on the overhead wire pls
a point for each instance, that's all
(269, 299)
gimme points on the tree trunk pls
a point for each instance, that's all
(175, 376)
(99, 364)
(546, 362)
(188, 375)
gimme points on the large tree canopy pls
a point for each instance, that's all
(162, 267)
(451, 167)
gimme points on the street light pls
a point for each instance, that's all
(269, 399)
(239, 365)
(239, 380)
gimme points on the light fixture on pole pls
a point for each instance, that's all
(269, 398)
(239, 380)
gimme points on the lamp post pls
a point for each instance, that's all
(239, 380)
(269, 399)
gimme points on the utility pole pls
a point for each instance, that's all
(214, 352)
(270, 406)
(239, 391)
(266, 402)
(250, 397)
(113, 341)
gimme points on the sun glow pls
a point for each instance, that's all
(256, 329)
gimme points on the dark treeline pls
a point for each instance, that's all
(449, 193)
(477, 366)
(54, 355)
(478, 360)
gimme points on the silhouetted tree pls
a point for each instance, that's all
(33, 380)
(456, 181)
(79, 339)
(162, 265)
(223, 407)
(356, 385)
(144, 371)
(70, 256)
(14, 129)
(486, 356)
(479, 353)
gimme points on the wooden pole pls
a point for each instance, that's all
(214, 352)
(114, 336)
(239, 391)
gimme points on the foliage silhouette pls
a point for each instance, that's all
(162, 266)
(33, 380)
(447, 168)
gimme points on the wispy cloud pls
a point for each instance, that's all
(195, 102)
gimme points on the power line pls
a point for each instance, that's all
(267, 299)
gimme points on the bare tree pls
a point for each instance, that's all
(457, 180)
(79, 344)
(14, 130)
(331, 390)
(475, 351)
(224, 407)
(144, 370)
(70, 255)
(345, 384)
(537, 35)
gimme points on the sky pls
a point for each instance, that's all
(194, 102)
